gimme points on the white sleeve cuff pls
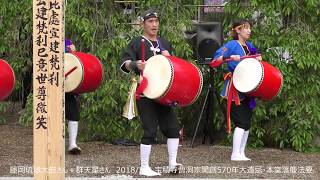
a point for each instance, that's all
(123, 67)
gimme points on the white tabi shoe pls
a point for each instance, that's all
(147, 171)
(239, 157)
(175, 169)
(245, 157)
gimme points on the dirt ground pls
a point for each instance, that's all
(100, 159)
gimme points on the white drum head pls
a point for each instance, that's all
(247, 75)
(75, 77)
(159, 73)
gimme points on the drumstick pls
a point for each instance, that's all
(243, 57)
(142, 53)
(215, 63)
(142, 50)
(144, 81)
(70, 71)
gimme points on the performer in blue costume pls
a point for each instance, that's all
(239, 105)
(234, 49)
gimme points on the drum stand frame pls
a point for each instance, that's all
(208, 105)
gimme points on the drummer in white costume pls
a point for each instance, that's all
(152, 114)
(241, 105)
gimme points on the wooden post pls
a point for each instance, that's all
(48, 90)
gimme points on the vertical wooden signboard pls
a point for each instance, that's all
(48, 90)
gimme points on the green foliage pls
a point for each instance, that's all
(27, 116)
(15, 39)
(3, 108)
(292, 119)
(101, 28)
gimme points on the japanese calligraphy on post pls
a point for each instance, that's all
(48, 87)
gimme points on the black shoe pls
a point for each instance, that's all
(175, 169)
(75, 151)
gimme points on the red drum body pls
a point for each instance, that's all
(257, 79)
(172, 80)
(7, 80)
(83, 72)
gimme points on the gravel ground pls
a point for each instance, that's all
(100, 159)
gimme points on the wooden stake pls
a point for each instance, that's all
(48, 90)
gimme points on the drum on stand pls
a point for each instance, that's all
(257, 79)
(172, 80)
(7, 80)
(83, 72)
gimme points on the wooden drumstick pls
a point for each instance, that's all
(216, 63)
(243, 57)
(144, 81)
(70, 71)
(142, 53)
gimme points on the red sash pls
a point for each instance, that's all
(232, 93)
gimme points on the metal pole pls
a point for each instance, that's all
(200, 116)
